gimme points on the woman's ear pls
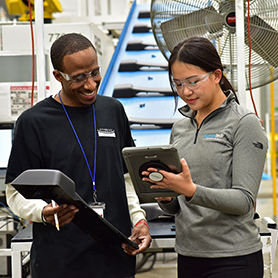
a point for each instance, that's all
(217, 75)
(57, 75)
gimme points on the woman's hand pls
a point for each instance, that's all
(164, 199)
(181, 183)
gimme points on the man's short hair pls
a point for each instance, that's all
(65, 45)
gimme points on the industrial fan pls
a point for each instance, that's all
(174, 20)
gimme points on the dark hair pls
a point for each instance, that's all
(65, 45)
(200, 52)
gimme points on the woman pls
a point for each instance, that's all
(223, 149)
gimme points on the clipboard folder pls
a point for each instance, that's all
(53, 184)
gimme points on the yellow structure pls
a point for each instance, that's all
(21, 7)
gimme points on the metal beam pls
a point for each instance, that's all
(40, 48)
(242, 96)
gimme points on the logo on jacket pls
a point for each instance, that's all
(258, 145)
(213, 136)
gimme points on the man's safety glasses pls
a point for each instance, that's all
(191, 83)
(81, 78)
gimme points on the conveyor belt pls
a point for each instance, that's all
(138, 77)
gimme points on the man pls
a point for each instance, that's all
(81, 134)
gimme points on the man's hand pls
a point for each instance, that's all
(64, 212)
(141, 235)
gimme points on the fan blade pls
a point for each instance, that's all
(264, 38)
(197, 23)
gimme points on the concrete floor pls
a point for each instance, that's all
(165, 263)
(165, 266)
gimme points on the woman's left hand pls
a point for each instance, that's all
(181, 183)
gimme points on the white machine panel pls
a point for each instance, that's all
(16, 42)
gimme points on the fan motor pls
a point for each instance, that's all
(227, 10)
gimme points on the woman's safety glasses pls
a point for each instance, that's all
(191, 83)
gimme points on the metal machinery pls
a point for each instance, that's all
(20, 7)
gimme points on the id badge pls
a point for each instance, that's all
(98, 207)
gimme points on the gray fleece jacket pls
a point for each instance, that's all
(226, 157)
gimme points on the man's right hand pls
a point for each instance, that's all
(64, 212)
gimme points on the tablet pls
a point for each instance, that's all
(53, 184)
(138, 159)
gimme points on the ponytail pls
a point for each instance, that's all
(227, 86)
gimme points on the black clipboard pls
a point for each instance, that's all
(138, 159)
(53, 184)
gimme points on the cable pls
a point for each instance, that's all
(33, 53)
(11, 221)
(9, 210)
(10, 218)
(4, 218)
(250, 49)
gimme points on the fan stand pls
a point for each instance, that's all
(241, 87)
(242, 96)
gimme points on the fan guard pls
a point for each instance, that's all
(175, 20)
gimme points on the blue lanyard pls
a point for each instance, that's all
(81, 147)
